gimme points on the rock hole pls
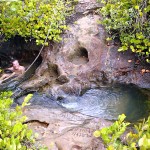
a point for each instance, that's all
(80, 56)
(53, 71)
(60, 98)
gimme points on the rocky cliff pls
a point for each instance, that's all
(84, 59)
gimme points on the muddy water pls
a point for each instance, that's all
(108, 103)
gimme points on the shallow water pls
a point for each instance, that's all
(108, 103)
(105, 103)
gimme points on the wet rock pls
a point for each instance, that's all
(62, 79)
(63, 130)
(87, 5)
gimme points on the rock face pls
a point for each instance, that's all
(84, 59)
(61, 130)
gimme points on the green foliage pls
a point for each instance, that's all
(130, 21)
(38, 19)
(14, 135)
(111, 134)
(139, 137)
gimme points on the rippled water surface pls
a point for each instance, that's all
(108, 103)
(105, 103)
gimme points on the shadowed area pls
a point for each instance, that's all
(80, 56)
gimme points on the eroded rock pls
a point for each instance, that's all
(63, 130)
(85, 60)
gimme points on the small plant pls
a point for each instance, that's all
(110, 135)
(130, 21)
(138, 139)
(14, 134)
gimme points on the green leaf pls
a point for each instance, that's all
(121, 117)
(136, 7)
(97, 133)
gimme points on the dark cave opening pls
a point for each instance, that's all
(18, 48)
(80, 56)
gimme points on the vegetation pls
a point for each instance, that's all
(139, 139)
(130, 21)
(14, 134)
(34, 19)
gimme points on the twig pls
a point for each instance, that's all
(39, 52)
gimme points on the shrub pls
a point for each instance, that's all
(130, 21)
(38, 19)
(14, 134)
(138, 138)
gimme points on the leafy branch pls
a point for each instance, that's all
(33, 19)
(138, 138)
(130, 21)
